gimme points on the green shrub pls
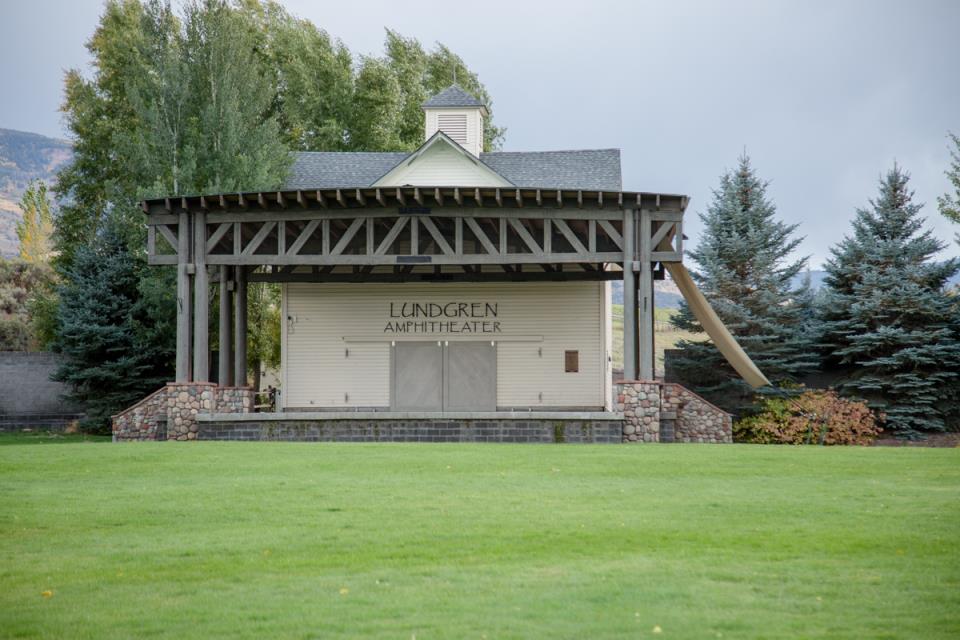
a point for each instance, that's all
(813, 417)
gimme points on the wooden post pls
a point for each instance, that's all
(183, 297)
(645, 284)
(629, 298)
(240, 332)
(226, 323)
(201, 298)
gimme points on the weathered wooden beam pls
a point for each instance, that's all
(392, 235)
(258, 238)
(201, 308)
(347, 236)
(570, 236)
(217, 235)
(406, 273)
(481, 236)
(612, 232)
(183, 299)
(168, 235)
(629, 299)
(437, 236)
(526, 237)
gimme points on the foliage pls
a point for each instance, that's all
(20, 282)
(889, 328)
(36, 225)
(744, 272)
(210, 99)
(813, 417)
(112, 356)
(950, 203)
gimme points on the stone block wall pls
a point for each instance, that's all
(146, 420)
(640, 403)
(652, 409)
(697, 420)
(170, 413)
(529, 429)
(28, 397)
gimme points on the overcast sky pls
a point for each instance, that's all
(824, 96)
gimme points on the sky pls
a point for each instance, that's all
(824, 96)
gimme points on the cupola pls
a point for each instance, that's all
(459, 115)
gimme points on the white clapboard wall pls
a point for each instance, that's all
(336, 351)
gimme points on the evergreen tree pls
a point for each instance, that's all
(889, 327)
(111, 354)
(744, 272)
(950, 203)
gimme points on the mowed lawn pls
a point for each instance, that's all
(244, 540)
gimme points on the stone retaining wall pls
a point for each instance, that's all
(697, 420)
(654, 411)
(170, 413)
(414, 430)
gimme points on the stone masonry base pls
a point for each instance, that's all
(652, 411)
(656, 411)
(415, 430)
(170, 413)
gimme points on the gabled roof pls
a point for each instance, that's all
(587, 170)
(452, 96)
(440, 138)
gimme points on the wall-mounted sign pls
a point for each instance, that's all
(448, 317)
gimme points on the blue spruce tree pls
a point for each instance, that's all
(113, 353)
(744, 270)
(889, 328)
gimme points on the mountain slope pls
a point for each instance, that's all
(24, 157)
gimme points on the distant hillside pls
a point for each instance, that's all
(24, 157)
(666, 295)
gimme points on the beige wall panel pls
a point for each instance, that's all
(336, 346)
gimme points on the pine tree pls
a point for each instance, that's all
(950, 203)
(111, 354)
(744, 271)
(889, 327)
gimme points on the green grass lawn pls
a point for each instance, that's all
(261, 540)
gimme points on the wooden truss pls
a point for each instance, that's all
(407, 234)
(413, 226)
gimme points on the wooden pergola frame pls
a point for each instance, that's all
(407, 234)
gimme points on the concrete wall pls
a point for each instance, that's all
(28, 398)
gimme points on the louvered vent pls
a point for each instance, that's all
(454, 125)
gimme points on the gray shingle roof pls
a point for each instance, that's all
(453, 96)
(333, 169)
(588, 170)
